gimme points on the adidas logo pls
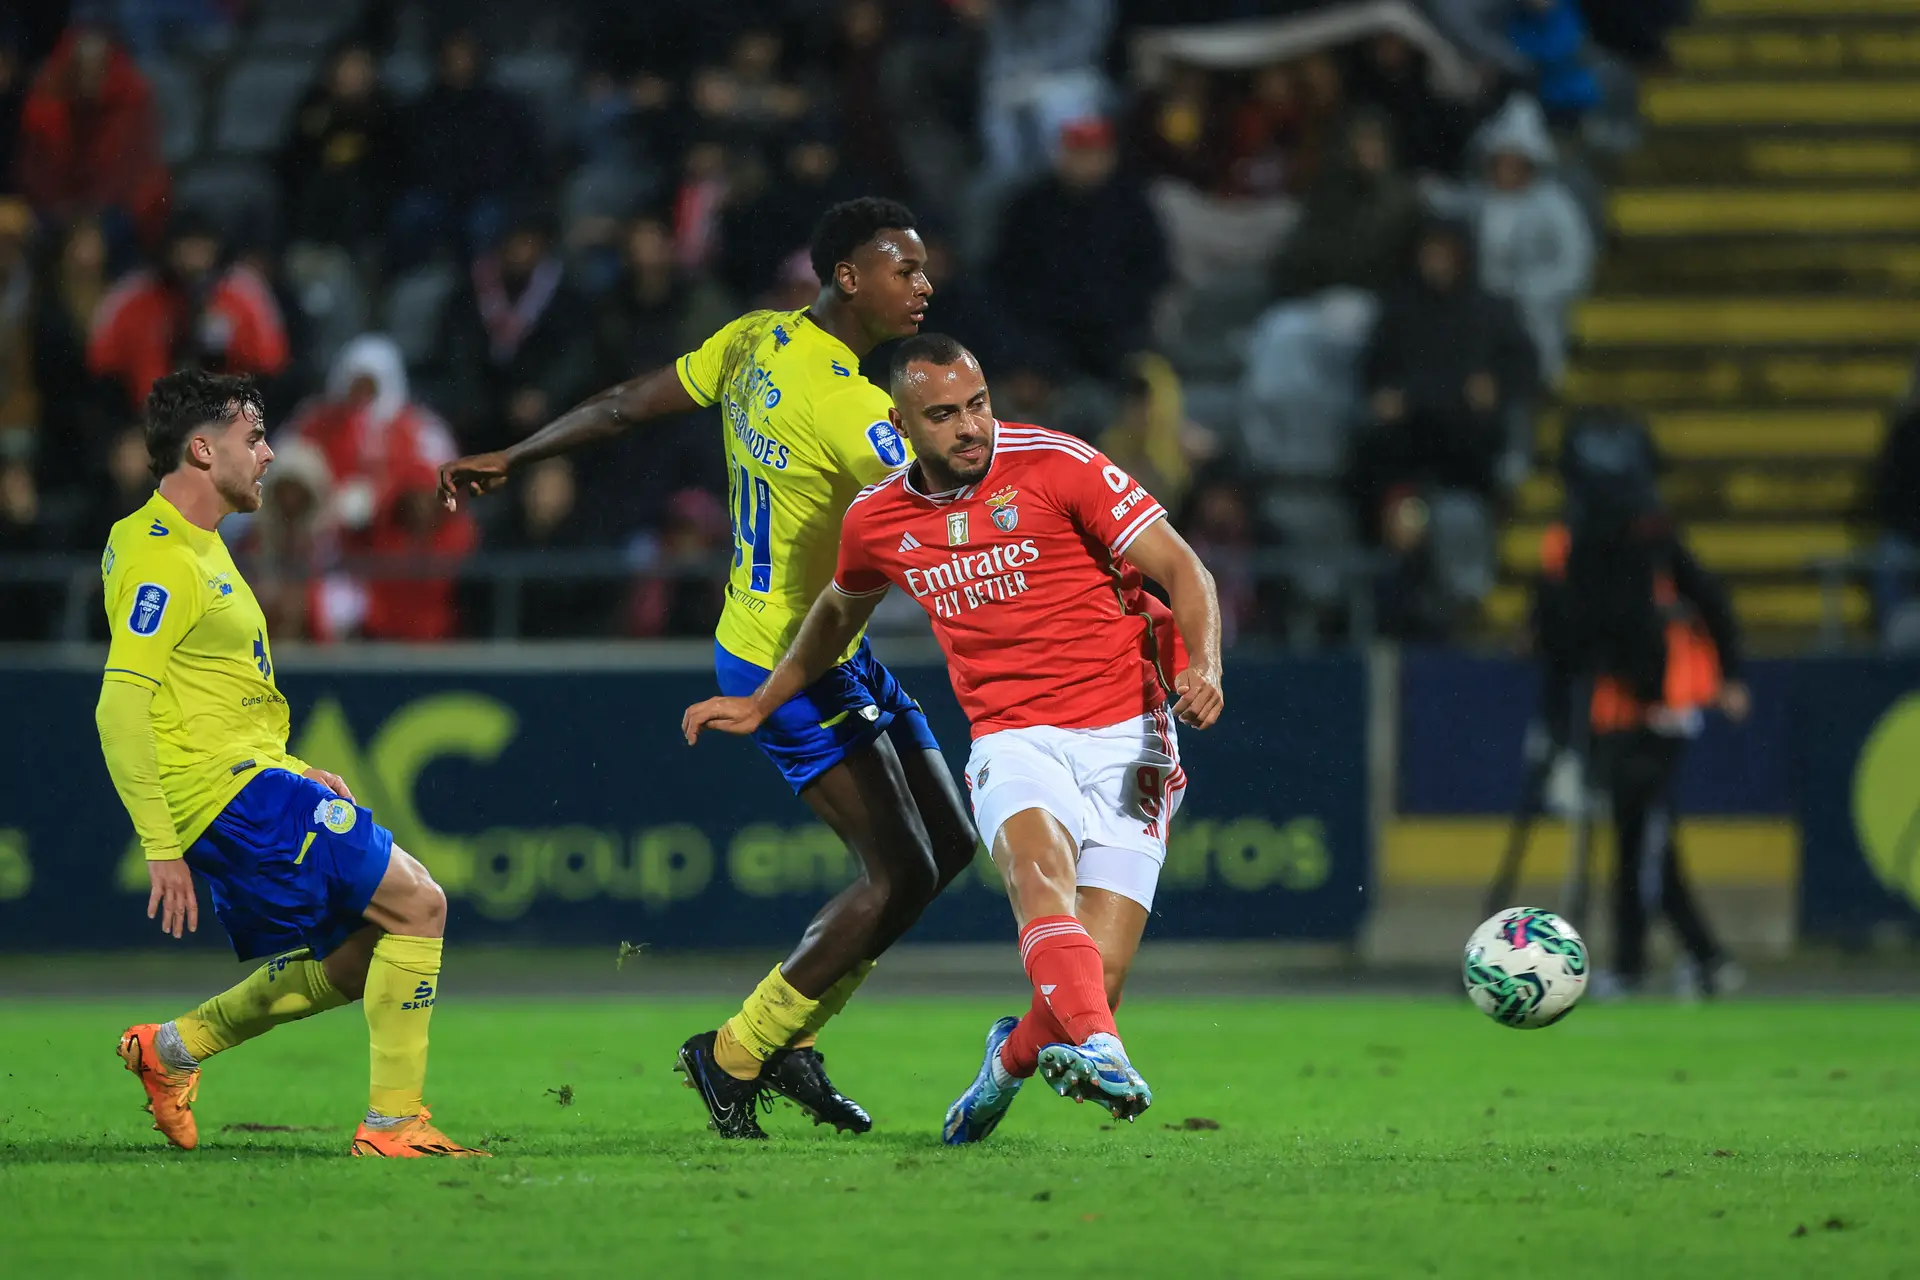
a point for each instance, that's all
(1046, 988)
(909, 543)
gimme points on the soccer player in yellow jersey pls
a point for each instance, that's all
(804, 432)
(195, 736)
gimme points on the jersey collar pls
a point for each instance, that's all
(852, 360)
(165, 513)
(947, 497)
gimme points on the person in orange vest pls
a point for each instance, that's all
(1656, 632)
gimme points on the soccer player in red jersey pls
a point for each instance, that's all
(1026, 548)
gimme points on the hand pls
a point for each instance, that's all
(728, 715)
(1200, 697)
(331, 781)
(1389, 405)
(1483, 393)
(172, 897)
(1736, 701)
(479, 474)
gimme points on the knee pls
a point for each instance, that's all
(913, 882)
(423, 912)
(954, 853)
(1036, 882)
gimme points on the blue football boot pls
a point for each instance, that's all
(975, 1113)
(1097, 1071)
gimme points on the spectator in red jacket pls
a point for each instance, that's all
(415, 601)
(196, 309)
(90, 136)
(368, 427)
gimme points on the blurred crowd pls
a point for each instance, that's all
(1313, 299)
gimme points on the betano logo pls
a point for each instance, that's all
(1886, 812)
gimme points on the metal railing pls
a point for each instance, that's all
(506, 575)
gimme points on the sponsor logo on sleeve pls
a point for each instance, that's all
(149, 608)
(887, 444)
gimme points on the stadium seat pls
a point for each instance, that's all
(407, 74)
(311, 25)
(239, 194)
(412, 310)
(1312, 518)
(329, 292)
(546, 81)
(182, 108)
(257, 104)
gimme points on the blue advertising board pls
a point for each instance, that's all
(563, 808)
(1856, 746)
(1463, 718)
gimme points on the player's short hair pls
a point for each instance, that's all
(850, 224)
(925, 348)
(183, 402)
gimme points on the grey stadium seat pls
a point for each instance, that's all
(176, 90)
(412, 310)
(407, 74)
(256, 105)
(311, 25)
(549, 83)
(239, 194)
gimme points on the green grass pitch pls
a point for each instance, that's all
(1372, 1137)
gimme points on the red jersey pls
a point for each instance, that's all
(1041, 620)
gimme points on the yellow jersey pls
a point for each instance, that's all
(186, 626)
(805, 432)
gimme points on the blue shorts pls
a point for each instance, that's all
(290, 865)
(841, 712)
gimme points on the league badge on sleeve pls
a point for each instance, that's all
(149, 609)
(887, 444)
(1000, 505)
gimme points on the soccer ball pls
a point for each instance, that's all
(1525, 968)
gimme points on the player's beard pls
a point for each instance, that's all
(242, 493)
(965, 475)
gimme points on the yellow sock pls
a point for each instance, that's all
(401, 982)
(831, 1004)
(284, 989)
(771, 1016)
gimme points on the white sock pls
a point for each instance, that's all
(1002, 1078)
(173, 1050)
(377, 1121)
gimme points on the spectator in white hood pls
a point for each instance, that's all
(370, 430)
(1535, 246)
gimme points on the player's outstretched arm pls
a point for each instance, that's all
(599, 417)
(1163, 555)
(124, 718)
(829, 627)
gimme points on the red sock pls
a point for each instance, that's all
(1020, 1054)
(1064, 966)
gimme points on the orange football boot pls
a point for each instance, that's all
(409, 1139)
(170, 1094)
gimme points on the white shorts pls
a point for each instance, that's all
(1114, 789)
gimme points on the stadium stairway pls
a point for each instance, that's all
(1759, 299)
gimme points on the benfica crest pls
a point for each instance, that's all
(1000, 507)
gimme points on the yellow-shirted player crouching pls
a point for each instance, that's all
(195, 736)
